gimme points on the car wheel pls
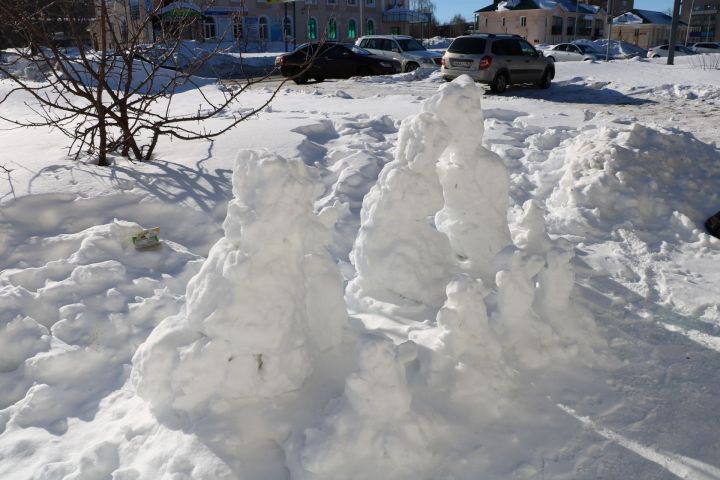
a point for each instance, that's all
(411, 67)
(499, 83)
(363, 72)
(319, 79)
(300, 78)
(545, 80)
(551, 58)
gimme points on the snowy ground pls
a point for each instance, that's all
(525, 291)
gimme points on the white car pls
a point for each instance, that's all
(662, 51)
(571, 52)
(405, 49)
(707, 47)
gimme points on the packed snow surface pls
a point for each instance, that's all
(390, 277)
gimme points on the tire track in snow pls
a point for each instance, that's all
(683, 467)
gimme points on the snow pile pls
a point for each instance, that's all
(439, 43)
(636, 176)
(69, 323)
(263, 308)
(146, 78)
(618, 49)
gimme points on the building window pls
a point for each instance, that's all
(352, 29)
(287, 28)
(486, 21)
(310, 2)
(209, 27)
(394, 30)
(332, 29)
(312, 29)
(238, 28)
(523, 21)
(263, 28)
(503, 21)
(370, 30)
(134, 9)
(352, 3)
(332, 2)
(370, 3)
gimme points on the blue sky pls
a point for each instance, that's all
(447, 8)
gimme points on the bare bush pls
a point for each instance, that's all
(120, 97)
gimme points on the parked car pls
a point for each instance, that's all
(571, 52)
(406, 50)
(332, 60)
(662, 51)
(706, 47)
(497, 60)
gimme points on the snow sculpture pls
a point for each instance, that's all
(265, 303)
(373, 428)
(438, 209)
(469, 364)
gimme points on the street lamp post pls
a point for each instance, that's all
(689, 26)
(609, 24)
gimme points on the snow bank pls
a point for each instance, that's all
(70, 322)
(637, 176)
(146, 78)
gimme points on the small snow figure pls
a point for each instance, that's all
(265, 304)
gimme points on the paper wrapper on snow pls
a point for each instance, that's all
(438, 209)
(253, 322)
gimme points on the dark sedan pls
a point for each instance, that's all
(332, 60)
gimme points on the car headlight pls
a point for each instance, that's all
(386, 64)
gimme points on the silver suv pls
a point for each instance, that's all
(497, 60)
(405, 49)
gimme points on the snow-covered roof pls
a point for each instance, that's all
(566, 5)
(637, 16)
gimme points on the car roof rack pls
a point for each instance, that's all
(494, 35)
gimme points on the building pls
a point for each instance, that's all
(645, 28)
(703, 17)
(263, 24)
(619, 6)
(542, 21)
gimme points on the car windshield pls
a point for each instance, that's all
(410, 45)
(359, 51)
(468, 45)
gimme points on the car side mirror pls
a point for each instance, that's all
(396, 50)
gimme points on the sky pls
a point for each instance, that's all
(446, 9)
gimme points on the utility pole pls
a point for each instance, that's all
(609, 25)
(576, 20)
(687, 32)
(673, 33)
(362, 17)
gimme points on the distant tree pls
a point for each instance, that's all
(116, 99)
